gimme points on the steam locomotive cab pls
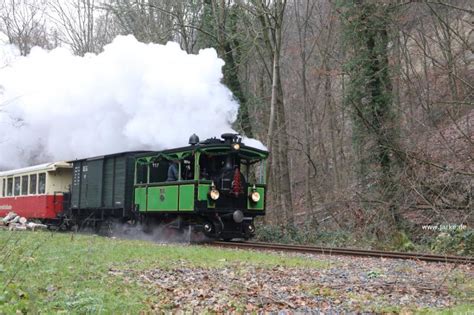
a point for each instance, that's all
(219, 189)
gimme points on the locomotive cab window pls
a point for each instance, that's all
(213, 165)
(158, 171)
(187, 169)
(173, 174)
(24, 185)
(141, 173)
(223, 167)
(16, 187)
(225, 170)
(254, 171)
(42, 183)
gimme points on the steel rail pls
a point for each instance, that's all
(346, 252)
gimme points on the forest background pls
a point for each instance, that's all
(366, 106)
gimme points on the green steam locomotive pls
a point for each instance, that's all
(216, 186)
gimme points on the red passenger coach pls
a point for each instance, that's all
(35, 192)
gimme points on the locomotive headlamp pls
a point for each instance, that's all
(214, 194)
(236, 146)
(255, 196)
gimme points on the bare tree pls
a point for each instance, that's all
(158, 21)
(23, 21)
(75, 22)
(268, 27)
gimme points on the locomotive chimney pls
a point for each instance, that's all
(194, 139)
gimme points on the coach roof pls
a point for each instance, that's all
(47, 167)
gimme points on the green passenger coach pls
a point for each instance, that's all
(215, 185)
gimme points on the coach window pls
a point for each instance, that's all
(17, 186)
(10, 186)
(3, 187)
(24, 185)
(33, 184)
(41, 183)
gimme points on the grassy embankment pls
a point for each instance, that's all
(52, 272)
(44, 272)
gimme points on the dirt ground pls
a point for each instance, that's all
(344, 284)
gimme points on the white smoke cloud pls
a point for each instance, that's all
(57, 106)
(7, 52)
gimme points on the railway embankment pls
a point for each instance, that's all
(49, 272)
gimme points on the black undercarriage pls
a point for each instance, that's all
(213, 224)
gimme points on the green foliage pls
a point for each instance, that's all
(372, 274)
(305, 234)
(460, 242)
(367, 36)
(208, 26)
(402, 242)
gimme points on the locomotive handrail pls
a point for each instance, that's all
(173, 183)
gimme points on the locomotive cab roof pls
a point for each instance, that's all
(211, 146)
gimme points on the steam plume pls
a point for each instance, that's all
(57, 106)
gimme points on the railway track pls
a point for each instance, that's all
(346, 252)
